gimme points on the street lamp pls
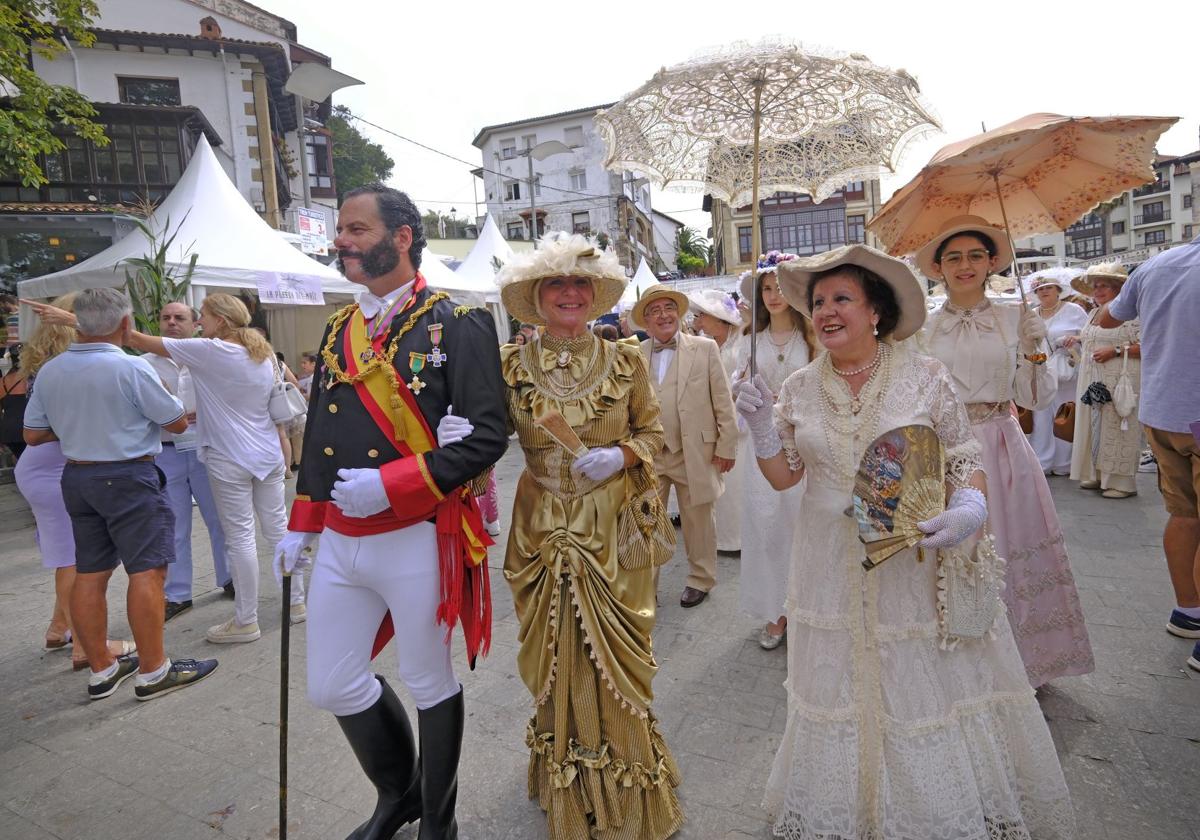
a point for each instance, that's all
(541, 151)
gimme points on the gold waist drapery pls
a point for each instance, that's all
(551, 537)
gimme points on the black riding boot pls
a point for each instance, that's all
(441, 730)
(382, 740)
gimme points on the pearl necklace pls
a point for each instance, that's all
(863, 369)
(782, 350)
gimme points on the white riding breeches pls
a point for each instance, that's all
(355, 581)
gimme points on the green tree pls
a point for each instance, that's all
(31, 109)
(691, 251)
(357, 161)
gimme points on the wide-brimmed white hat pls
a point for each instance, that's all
(795, 276)
(560, 255)
(718, 304)
(1058, 276)
(652, 293)
(965, 224)
(1086, 284)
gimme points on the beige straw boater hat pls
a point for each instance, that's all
(560, 255)
(1114, 271)
(716, 303)
(794, 277)
(965, 224)
(638, 313)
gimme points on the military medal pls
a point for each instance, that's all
(435, 355)
(367, 355)
(416, 364)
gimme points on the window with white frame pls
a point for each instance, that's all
(512, 190)
(508, 149)
(537, 185)
(515, 230)
(573, 136)
(578, 178)
(581, 222)
(528, 141)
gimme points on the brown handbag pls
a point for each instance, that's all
(1064, 422)
(1025, 419)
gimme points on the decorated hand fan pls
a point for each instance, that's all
(900, 482)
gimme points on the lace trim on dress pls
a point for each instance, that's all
(581, 758)
(962, 462)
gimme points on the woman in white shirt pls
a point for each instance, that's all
(1063, 320)
(232, 373)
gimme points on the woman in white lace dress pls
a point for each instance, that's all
(1107, 446)
(715, 314)
(895, 730)
(785, 344)
(1064, 320)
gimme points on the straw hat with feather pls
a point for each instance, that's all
(560, 255)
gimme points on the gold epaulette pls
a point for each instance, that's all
(463, 309)
(341, 314)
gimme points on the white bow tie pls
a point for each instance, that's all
(371, 305)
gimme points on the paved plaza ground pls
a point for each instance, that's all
(202, 763)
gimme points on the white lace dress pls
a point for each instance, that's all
(1055, 454)
(728, 507)
(767, 548)
(889, 736)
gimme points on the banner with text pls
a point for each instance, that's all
(279, 287)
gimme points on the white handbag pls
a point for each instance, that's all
(286, 402)
(969, 585)
(1124, 397)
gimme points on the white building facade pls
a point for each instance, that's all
(160, 73)
(572, 191)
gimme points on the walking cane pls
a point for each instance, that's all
(285, 639)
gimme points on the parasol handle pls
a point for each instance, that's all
(1013, 245)
(755, 244)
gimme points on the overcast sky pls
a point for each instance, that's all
(439, 71)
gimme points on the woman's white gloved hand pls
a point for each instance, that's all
(360, 493)
(964, 515)
(753, 401)
(600, 463)
(452, 429)
(1031, 331)
(294, 553)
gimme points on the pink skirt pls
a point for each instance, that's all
(39, 479)
(1043, 605)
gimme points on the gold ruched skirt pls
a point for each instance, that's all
(598, 766)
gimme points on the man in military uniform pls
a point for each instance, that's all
(402, 542)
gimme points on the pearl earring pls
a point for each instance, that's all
(875, 329)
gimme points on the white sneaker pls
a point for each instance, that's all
(1147, 463)
(298, 613)
(231, 632)
(493, 528)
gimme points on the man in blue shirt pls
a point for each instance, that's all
(1164, 292)
(108, 411)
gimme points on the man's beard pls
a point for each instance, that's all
(376, 261)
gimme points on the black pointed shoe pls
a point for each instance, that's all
(382, 740)
(441, 729)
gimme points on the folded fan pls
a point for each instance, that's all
(555, 425)
(900, 482)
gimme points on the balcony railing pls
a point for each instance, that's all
(1150, 189)
(1152, 218)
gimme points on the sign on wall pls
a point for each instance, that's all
(280, 287)
(310, 224)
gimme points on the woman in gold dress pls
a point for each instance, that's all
(587, 533)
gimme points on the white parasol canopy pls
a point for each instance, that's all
(236, 247)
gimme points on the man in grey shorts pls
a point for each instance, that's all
(108, 410)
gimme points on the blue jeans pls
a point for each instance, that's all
(187, 477)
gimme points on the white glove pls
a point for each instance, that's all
(1031, 330)
(360, 493)
(452, 429)
(600, 463)
(964, 515)
(294, 554)
(753, 401)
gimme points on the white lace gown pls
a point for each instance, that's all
(769, 524)
(729, 504)
(888, 736)
(1054, 454)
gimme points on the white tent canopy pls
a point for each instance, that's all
(478, 270)
(643, 279)
(236, 247)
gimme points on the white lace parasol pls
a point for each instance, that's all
(820, 120)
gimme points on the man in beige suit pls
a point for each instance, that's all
(699, 425)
